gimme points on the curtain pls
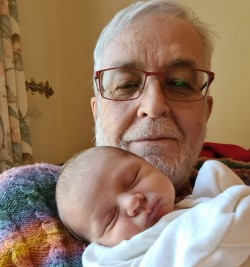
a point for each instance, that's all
(15, 144)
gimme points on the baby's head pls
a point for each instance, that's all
(106, 195)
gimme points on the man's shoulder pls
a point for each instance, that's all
(240, 168)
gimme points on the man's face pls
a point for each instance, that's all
(167, 133)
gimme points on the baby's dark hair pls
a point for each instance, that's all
(71, 173)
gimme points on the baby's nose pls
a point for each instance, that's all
(134, 204)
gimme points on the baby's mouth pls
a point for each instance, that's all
(152, 212)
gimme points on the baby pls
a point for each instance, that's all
(107, 195)
(125, 207)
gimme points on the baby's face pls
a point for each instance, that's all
(128, 195)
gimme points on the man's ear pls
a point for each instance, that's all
(209, 106)
(93, 103)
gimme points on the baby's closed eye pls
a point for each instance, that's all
(133, 181)
(111, 219)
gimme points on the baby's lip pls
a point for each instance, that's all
(152, 212)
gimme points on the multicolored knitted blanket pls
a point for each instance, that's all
(31, 233)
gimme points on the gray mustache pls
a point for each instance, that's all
(150, 129)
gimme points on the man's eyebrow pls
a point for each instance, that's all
(123, 64)
(182, 63)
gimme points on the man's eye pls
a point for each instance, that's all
(125, 90)
(131, 86)
(179, 84)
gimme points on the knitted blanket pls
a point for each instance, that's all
(31, 233)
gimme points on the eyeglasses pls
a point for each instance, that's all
(178, 84)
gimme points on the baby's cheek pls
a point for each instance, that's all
(131, 226)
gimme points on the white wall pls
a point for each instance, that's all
(58, 38)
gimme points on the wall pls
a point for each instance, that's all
(58, 39)
(39, 43)
(230, 121)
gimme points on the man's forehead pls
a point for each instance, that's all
(155, 27)
(154, 45)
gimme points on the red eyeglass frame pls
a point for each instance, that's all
(98, 73)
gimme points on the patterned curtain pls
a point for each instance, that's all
(15, 145)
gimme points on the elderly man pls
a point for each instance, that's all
(152, 75)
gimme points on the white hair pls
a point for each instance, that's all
(126, 16)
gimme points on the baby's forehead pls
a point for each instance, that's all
(107, 164)
(103, 157)
(103, 165)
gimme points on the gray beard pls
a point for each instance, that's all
(178, 167)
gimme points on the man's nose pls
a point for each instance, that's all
(153, 99)
(132, 204)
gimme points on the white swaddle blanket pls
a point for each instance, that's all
(214, 232)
